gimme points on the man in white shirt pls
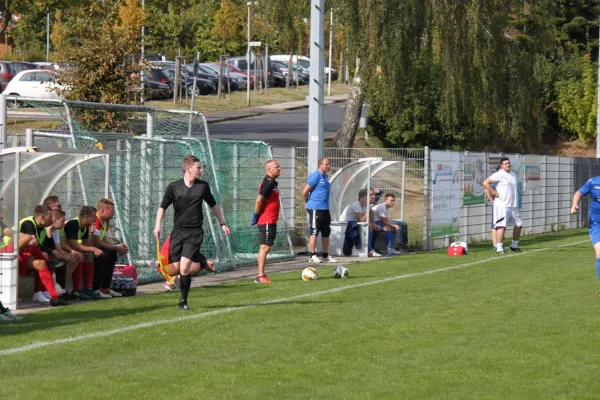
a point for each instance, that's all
(357, 212)
(380, 215)
(506, 211)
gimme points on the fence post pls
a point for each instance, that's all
(425, 197)
(74, 142)
(235, 183)
(3, 121)
(403, 190)
(293, 188)
(28, 137)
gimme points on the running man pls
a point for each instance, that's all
(592, 186)
(266, 214)
(316, 199)
(506, 211)
(187, 195)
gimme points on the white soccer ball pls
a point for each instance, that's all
(341, 272)
(309, 274)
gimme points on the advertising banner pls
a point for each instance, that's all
(445, 205)
(474, 173)
(533, 176)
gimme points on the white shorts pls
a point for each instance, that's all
(506, 216)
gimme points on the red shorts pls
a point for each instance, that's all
(24, 257)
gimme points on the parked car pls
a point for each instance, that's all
(241, 63)
(6, 73)
(156, 85)
(241, 79)
(19, 66)
(46, 65)
(239, 71)
(304, 62)
(36, 83)
(303, 78)
(203, 86)
(214, 75)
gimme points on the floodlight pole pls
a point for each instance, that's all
(317, 78)
(330, 52)
(142, 51)
(47, 36)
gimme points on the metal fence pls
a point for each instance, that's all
(545, 208)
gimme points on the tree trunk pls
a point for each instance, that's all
(347, 132)
(289, 74)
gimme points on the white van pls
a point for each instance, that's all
(304, 62)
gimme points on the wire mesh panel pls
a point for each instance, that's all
(153, 144)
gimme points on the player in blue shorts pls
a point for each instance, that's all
(592, 187)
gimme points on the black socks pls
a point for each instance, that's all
(186, 283)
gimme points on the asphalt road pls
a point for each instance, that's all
(288, 128)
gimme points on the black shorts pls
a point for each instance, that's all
(319, 221)
(267, 233)
(186, 243)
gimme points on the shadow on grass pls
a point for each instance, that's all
(44, 320)
(273, 303)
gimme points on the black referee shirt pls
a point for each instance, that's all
(187, 202)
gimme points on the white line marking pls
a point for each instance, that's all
(38, 345)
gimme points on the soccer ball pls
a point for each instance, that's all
(341, 272)
(309, 274)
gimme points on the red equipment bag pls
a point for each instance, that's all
(125, 279)
(457, 249)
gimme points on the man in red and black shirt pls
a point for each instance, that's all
(266, 214)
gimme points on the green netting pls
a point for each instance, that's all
(148, 164)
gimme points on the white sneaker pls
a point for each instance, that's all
(374, 254)
(394, 252)
(46, 295)
(112, 293)
(103, 295)
(329, 259)
(499, 250)
(314, 259)
(38, 297)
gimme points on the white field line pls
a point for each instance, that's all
(37, 345)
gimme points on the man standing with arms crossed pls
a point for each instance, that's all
(266, 214)
(316, 198)
(187, 195)
(506, 211)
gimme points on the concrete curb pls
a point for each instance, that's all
(259, 113)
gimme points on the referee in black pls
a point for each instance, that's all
(187, 195)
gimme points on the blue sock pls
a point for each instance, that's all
(389, 238)
(598, 267)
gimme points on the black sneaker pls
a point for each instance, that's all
(70, 297)
(81, 295)
(183, 305)
(58, 302)
(515, 249)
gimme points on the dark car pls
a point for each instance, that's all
(6, 73)
(214, 75)
(241, 63)
(203, 86)
(19, 66)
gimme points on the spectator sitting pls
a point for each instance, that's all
(380, 212)
(353, 214)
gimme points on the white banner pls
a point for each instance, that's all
(533, 177)
(474, 173)
(445, 204)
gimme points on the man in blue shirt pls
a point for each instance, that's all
(316, 199)
(591, 186)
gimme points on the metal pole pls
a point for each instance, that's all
(193, 96)
(267, 67)
(403, 190)
(330, 51)
(47, 36)
(366, 248)
(107, 176)
(28, 137)
(248, 58)
(425, 196)
(3, 121)
(142, 51)
(235, 178)
(317, 75)
(293, 189)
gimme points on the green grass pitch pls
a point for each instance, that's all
(513, 326)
